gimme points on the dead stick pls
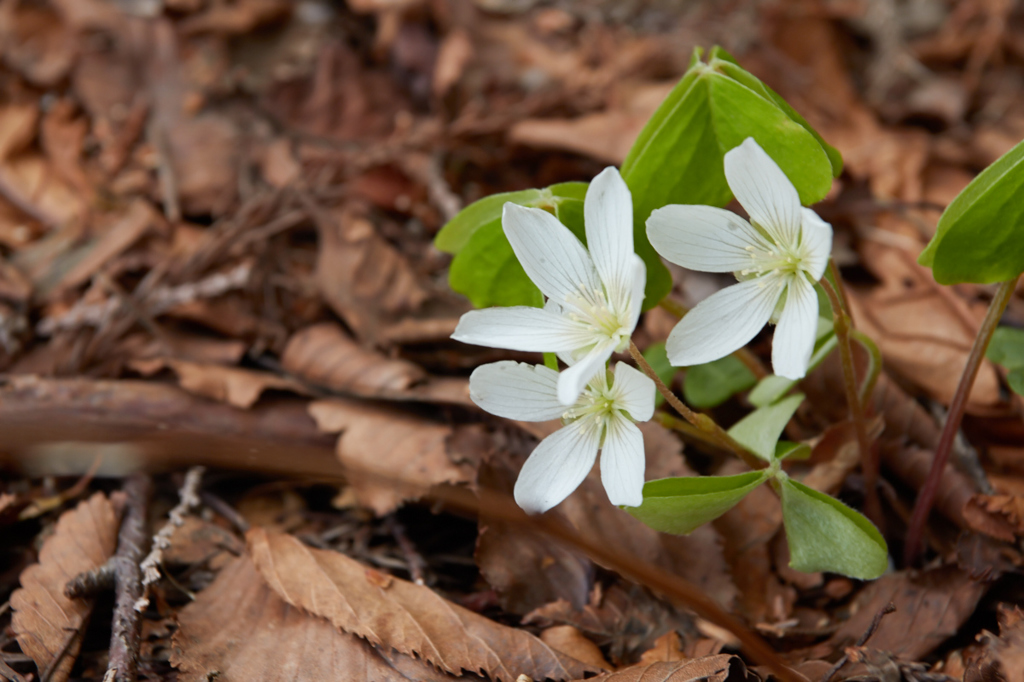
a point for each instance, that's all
(126, 635)
(862, 640)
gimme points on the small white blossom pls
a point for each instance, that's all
(601, 418)
(777, 257)
(594, 297)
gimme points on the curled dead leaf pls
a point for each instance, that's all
(409, 618)
(236, 386)
(381, 447)
(44, 618)
(239, 630)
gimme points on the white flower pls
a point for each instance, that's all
(777, 257)
(601, 418)
(593, 298)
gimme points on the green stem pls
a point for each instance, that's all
(926, 496)
(854, 401)
(702, 422)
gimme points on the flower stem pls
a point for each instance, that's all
(854, 400)
(926, 496)
(702, 422)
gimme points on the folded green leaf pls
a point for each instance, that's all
(787, 449)
(1007, 349)
(978, 238)
(680, 505)
(759, 431)
(711, 384)
(677, 158)
(485, 268)
(826, 535)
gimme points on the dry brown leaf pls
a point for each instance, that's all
(924, 331)
(666, 649)
(204, 155)
(381, 447)
(361, 276)
(1001, 516)
(716, 668)
(1002, 657)
(391, 612)
(323, 354)
(571, 641)
(17, 127)
(36, 43)
(232, 385)
(237, 629)
(930, 608)
(453, 55)
(44, 618)
(124, 230)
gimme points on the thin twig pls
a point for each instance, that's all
(188, 499)
(9, 673)
(221, 507)
(868, 461)
(862, 640)
(926, 496)
(702, 422)
(413, 558)
(126, 630)
(72, 635)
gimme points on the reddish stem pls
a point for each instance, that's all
(926, 496)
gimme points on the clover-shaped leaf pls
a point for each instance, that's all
(978, 238)
(680, 505)
(1007, 349)
(712, 383)
(759, 431)
(826, 535)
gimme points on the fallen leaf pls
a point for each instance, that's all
(361, 276)
(1001, 657)
(236, 386)
(1001, 516)
(930, 608)
(239, 629)
(44, 618)
(204, 155)
(453, 55)
(410, 618)
(381, 448)
(570, 641)
(323, 354)
(667, 648)
(36, 43)
(716, 668)
(123, 231)
(17, 127)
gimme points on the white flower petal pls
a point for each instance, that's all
(764, 191)
(636, 293)
(521, 328)
(552, 256)
(622, 462)
(704, 238)
(816, 243)
(633, 392)
(572, 380)
(557, 466)
(724, 322)
(608, 216)
(794, 335)
(516, 390)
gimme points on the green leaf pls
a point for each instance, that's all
(787, 449)
(1007, 349)
(680, 505)
(826, 535)
(759, 431)
(978, 238)
(657, 358)
(711, 384)
(677, 158)
(773, 387)
(456, 233)
(485, 268)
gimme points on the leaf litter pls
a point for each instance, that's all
(216, 223)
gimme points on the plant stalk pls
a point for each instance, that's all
(868, 461)
(926, 496)
(702, 422)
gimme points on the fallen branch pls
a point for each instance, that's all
(188, 499)
(126, 632)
